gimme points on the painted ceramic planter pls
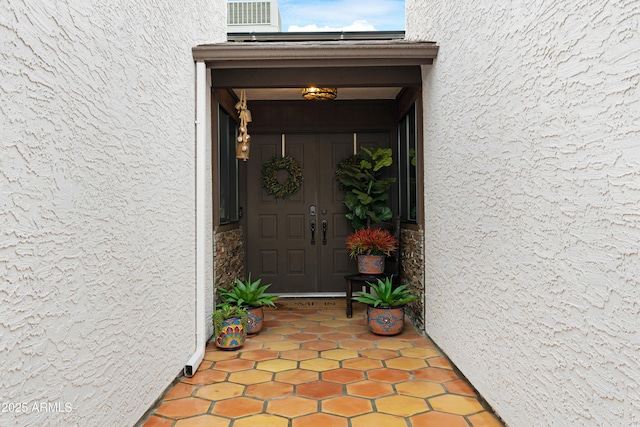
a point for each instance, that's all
(371, 264)
(232, 335)
(385, 320)
(255, 320)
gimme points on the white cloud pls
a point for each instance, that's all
(358, 25)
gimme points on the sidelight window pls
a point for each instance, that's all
(407, 166)
(227, 168)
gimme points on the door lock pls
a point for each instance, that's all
(312, 210)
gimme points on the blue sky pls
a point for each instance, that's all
(337, 15)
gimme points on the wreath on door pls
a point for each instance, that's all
(270, 177)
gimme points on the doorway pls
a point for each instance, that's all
(297, 244)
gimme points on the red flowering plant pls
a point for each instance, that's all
(371, 241)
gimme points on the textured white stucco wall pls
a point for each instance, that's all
(532, 177)
(97, 205)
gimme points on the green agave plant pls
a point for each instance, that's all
(248, 293)
(384, 295)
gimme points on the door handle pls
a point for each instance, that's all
(312, 227)
(325, 225)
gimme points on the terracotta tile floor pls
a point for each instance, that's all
(317, 368)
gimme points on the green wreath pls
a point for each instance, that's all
(270, 177)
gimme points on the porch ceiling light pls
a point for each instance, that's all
(319, 93)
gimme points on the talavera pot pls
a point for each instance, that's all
(385, 320)
(232, 335)
(255, 320)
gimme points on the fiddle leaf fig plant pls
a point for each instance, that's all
(361, 178)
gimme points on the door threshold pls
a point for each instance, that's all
(314, 295)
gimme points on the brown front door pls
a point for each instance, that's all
(282, 249)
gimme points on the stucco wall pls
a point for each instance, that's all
(97, 202)
(532, 177)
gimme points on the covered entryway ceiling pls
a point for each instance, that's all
(371, 66)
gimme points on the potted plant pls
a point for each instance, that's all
(385, 306)
(370, 246)
(229, 326)
(252, 296)
(361, 178)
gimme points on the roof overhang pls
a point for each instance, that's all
(337, 62)
(316, 53)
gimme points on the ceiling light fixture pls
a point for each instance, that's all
(319, 93)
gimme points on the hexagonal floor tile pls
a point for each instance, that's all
(315, 420)
(206, 377)
(389, 375)
(356, 345)
(262, 420)
(281, 345)
(270, 390)
(218, 355)
(339, 354)
(297, 376)
(318, 330)
(439, 362)
(435, 374)
(258, 355)
(299, 354)
(459, 387)
(379, 354)
(432, 419)
(319, 364)
(253, 376)
(343, 376)
(155, 421)
(337, 336)
(182, 408)
(302, 337)
(318, 317)
(394, 344)
(180, 390)
(362, 364)
(293, 406)
(219, 391)
(370, 389)
(238, 407)
(386, 420)
(346, 406)
(421, 389)
(277, 365)
(204, 420)
(319, 389)
(267, 337)
(458, 405)
(319, 345)
(403, 406)
(419, 352)
(234, 365)
(484, 419)
(405, 363)
(284, 330)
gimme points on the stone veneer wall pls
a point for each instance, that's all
(228, 257)
(412, 272)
